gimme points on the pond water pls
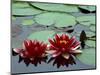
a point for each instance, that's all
(21, 32)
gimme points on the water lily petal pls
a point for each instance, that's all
(65, 37)
(72, 40)
(76, 51)
(53, 43)
(66, 55)
(17, 50)
(25, 44)
(57, 37)
(50, 51)
(64, 44)
(56, 54)
(74, 48)
(76, 45)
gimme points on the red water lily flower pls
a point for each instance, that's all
(32, 51)
(63, 45)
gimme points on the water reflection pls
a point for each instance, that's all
(35, 62)
(61, 61)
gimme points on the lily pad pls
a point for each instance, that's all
(60, 19)
(88, 56)
(56, 7)
(20, 5)
(13, 18)
(28, 22)
(26, 11)
(86, 20)
(90, 8)
(41, 35)
(89, 34)
(23, 9)
(90, 43)
(92, 28)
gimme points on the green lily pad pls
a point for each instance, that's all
(87, 56)
(41, 35)
(90, 43)
(56, 7)
(90, 8)
(26, 11)
(28, 22)
(23, 9)
(92, 27)
(86, 20)
(89, 34)
(20, 5)
(13, 18)
(60, 19)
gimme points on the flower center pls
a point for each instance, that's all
(63, 42)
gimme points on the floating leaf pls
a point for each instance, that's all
(88, 56)
(90, 43)
(26, 11)
(20, 5)
(86, 20)
(89, 34)
(60, 20)
(28, 22)
(56, 7)
(13, 18)
(41, 35)
(23, 9)
(92, 28)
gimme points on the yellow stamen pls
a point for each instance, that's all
(63, 41)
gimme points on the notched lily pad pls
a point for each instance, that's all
(41, 35)
(60, 20)
(56, 7)
(23, 9)
(93, 28)
(88, 56)
(91, 43)
(86, 20)
(13, 18)
(28, 22)
(20, 5)
(89, 34)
